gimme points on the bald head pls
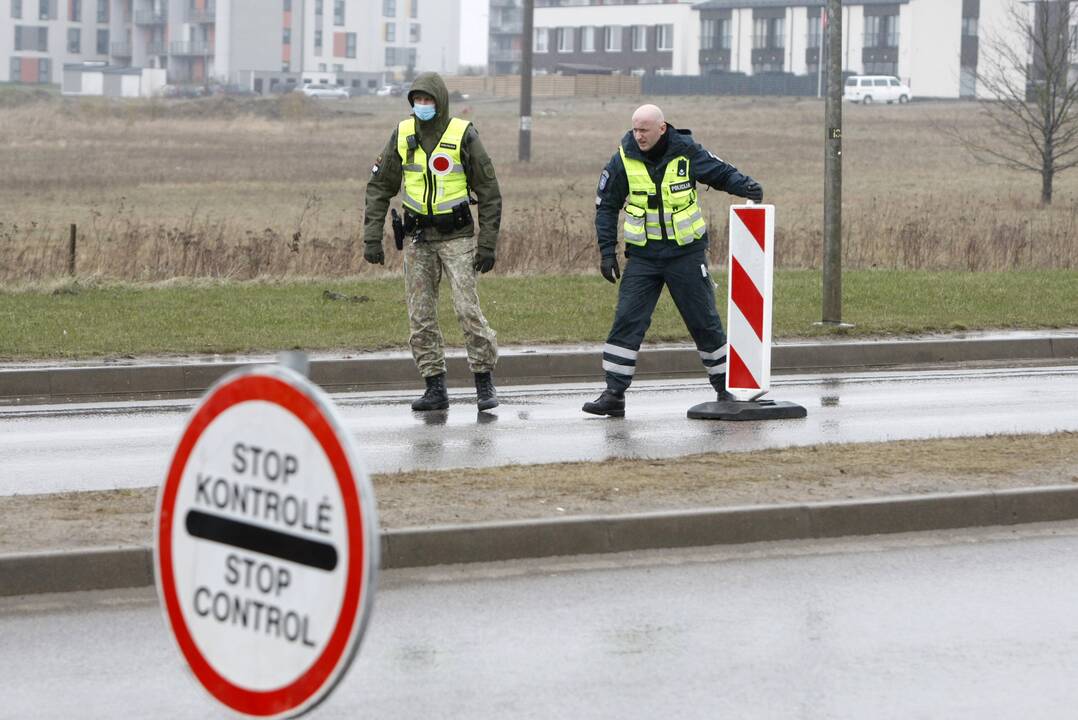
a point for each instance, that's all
(649, 126)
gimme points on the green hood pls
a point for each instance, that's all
(432, 84)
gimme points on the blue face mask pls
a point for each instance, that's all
(424, 112)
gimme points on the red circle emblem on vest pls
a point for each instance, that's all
(441, 164)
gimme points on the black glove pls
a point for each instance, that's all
(609, 268)
(484, 259)
(753, 191)
(373, 253)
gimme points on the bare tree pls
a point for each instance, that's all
(1030, 97)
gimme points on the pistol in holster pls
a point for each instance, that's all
(398, 229)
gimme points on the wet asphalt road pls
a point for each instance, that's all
(115, 445)
(967, 624)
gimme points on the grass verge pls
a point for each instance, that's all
(79, 320)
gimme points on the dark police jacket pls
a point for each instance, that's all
(614, 189)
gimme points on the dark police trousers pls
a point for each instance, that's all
(693, 292)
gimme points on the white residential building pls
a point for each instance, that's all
(256, 43)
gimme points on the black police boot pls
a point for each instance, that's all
(722, 394)
(435, 398)
(485, 393)
(611, 402)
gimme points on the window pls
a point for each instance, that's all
(286, 36)
(43, 10)
(769, 33)
(44, 70)
(881, 31)
(894, 82)
(389, 32)
(317, 42)
(102, 11)
(321, 67)
(815, 32)
(587, 39)
(74, 41)
(399, 56)
(851, 82)
(102, 42)
(35, 39)
(866, 83)
(74, 10)
(716, 35)
(541, 40)
(969, 27)
(350, 45)
(664, 37)
(16, 12)
(337, 67)
(880, 82)
(389, 8)
(318, 7)
(640, 38)
(413, 8)
(565, 40)
(16, 69)
(613, 38)
(338, 12)
(413, 32)
(288, 5)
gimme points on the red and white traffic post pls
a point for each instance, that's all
(266, 544)
(750, 279)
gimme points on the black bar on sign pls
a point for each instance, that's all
(262, 540)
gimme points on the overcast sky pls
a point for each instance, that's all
(473, 31)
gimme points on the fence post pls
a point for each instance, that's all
(71, 250)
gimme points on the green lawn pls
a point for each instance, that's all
(77, 321)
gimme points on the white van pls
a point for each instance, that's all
(868, 89)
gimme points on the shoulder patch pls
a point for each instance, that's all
(377, 165)
(604, 178)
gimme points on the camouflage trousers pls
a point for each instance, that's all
(424, 265)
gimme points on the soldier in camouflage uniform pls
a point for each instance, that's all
(440, 162)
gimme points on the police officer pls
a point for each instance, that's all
(441, 161)
(654, 175)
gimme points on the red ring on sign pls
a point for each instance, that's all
(265, 702)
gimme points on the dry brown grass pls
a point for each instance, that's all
(267, 188)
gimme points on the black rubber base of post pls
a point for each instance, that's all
(753, 410)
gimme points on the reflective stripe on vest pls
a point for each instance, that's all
(681, 214)
(434, 185)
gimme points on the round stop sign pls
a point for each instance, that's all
(266, 544)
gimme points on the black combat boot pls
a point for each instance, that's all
(485, 393)
(435, 398)
(611, 402)
(722, 394)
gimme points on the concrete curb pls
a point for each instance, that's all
(551, 365)
(104, 568)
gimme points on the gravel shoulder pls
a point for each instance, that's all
(31, 523)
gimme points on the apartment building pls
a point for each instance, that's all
(639, 38)
(255, 43)
(931, 44)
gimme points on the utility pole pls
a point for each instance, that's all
(526, 39)
(832, 190)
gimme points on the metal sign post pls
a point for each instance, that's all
(266, 544)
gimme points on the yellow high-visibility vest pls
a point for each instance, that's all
(432, 185)
(678, 211)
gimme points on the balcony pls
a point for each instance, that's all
(187, 47)
(881, 40)
(120, 49)
(205, 16)
(156, 47)
(715, 42)
(150, 17)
